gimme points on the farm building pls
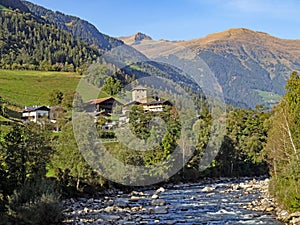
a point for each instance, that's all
(35, 113)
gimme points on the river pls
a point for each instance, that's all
(222, 202)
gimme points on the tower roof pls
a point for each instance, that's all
(139, 87)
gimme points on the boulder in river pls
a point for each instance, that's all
(208, 189)
(158, 210)
(158, 202)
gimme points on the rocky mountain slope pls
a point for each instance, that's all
(135, 39)
(252, 67)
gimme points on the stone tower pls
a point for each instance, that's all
(139, 94)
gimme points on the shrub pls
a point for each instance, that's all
(36, 203)
(286, 189)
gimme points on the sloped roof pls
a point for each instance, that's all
(132, 103)
(101, 100)
(164, 102)
(35, 108)
(139, 87)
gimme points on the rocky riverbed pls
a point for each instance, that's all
(224, 201)
(265, 203)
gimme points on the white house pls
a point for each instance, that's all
(33, 114)
(156, 106)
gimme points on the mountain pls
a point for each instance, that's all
(252, 67)
(35, 42)
(15, 4)
(125, 57)
(29, 43)
(79, 28)
(135, 39)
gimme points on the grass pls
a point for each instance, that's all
(135, 67)
(269, 97)
(30, 87)
(3, 8)
(4, 129)
(3, 119)
(26, 87)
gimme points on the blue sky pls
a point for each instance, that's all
(184, 19)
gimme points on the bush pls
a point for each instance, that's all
(36, 203)
(286, 189)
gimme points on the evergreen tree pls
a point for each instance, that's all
(24, 153)
(28, 43)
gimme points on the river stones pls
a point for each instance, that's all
(208, 189)
(158, 210)
(158, 202)
(177, 204)
(122, 203)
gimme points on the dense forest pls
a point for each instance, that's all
(28, 43)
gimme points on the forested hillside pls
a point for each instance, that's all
(26, 43)
(283, 144)
(15, 4)
(79, 28)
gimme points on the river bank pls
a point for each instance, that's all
(222, 201)
(266, 203)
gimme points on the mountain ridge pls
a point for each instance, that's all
(78, 27)
(135, 38)
(15, 4)
(251, 66)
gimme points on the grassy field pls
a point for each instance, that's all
(3, 8)
(28, 88)
(269, 97)
(33, 87)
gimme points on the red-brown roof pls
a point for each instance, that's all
(99, 100)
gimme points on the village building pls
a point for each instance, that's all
(35, 113)
(127, 107)
(140, 97)
(139, 94)
(102, 104)
(156, 106)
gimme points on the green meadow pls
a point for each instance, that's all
(26, 87)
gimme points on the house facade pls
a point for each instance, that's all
(36, 113)
(102, 104)
(156, 106)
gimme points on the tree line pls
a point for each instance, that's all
(28, 43)
(282, 150)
